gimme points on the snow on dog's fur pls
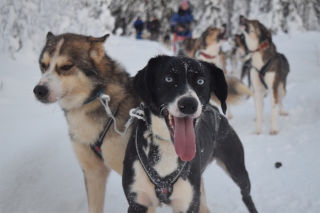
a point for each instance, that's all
(165, 165)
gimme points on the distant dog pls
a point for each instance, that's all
(180, 135)
(269, 70)
(75, 71)
(166, 41)
(211, 52)
(211, 48)
(191, 45)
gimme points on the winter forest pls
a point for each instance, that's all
(28, 21)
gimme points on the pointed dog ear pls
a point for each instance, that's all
(49, 35)
(96, 51)
(218, 84)
(101, 39)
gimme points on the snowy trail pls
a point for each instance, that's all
(39, 172)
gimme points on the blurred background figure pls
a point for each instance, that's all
(138, 25)
(153, 27)
(181, 24)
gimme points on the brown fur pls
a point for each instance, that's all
(91, 67)
(237, 91)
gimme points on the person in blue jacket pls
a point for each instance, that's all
(138, 25)
(181, 21)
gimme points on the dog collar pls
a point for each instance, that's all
(97, 92)
(207, 56)
(163, 185)
(263, 45)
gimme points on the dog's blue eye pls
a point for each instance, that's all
(200, 81)
(169, 79)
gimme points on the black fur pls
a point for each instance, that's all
(265, 34)
(214, 136)
(150, 75)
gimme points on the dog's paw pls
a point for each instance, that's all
(258, 132)
(283, 113)
(204, 209)
(230, 116)
(273, 132)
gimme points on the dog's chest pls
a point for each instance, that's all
(82, 129)
(212, 50)
(240, 53)
(144, 189)
(167, 158)
(257, 60)
(161, 156)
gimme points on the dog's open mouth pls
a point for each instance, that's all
(183, 134)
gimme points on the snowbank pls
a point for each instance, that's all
(39, 172)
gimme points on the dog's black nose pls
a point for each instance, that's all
(188, 105)
(41, 91)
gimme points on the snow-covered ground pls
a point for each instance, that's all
(39, 172)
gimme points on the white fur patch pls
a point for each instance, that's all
(174, 109)
(182, 195)
(143, 187)
(251, 38)
(50, 77)
(213, 50)
(168, 157)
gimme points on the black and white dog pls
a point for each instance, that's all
(179, 136)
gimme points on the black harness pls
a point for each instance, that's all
(96, 146)
(262, 72)
(163, 185)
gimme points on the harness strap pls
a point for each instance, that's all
(262, 72)
(96, 93)
(207, 56)
(96, 147)
(163, 186)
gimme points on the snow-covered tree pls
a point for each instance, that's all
(27, 21)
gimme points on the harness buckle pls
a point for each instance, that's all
(163, 192)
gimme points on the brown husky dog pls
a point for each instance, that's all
(75, 70)
(269, 70)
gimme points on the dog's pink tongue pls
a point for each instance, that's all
(184, 138)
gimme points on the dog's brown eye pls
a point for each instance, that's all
(66, 67)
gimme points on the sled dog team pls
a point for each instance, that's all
(159, 130)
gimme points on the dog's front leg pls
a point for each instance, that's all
(203, 200)
(95, 175)
(270, 78)
(259, 92)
